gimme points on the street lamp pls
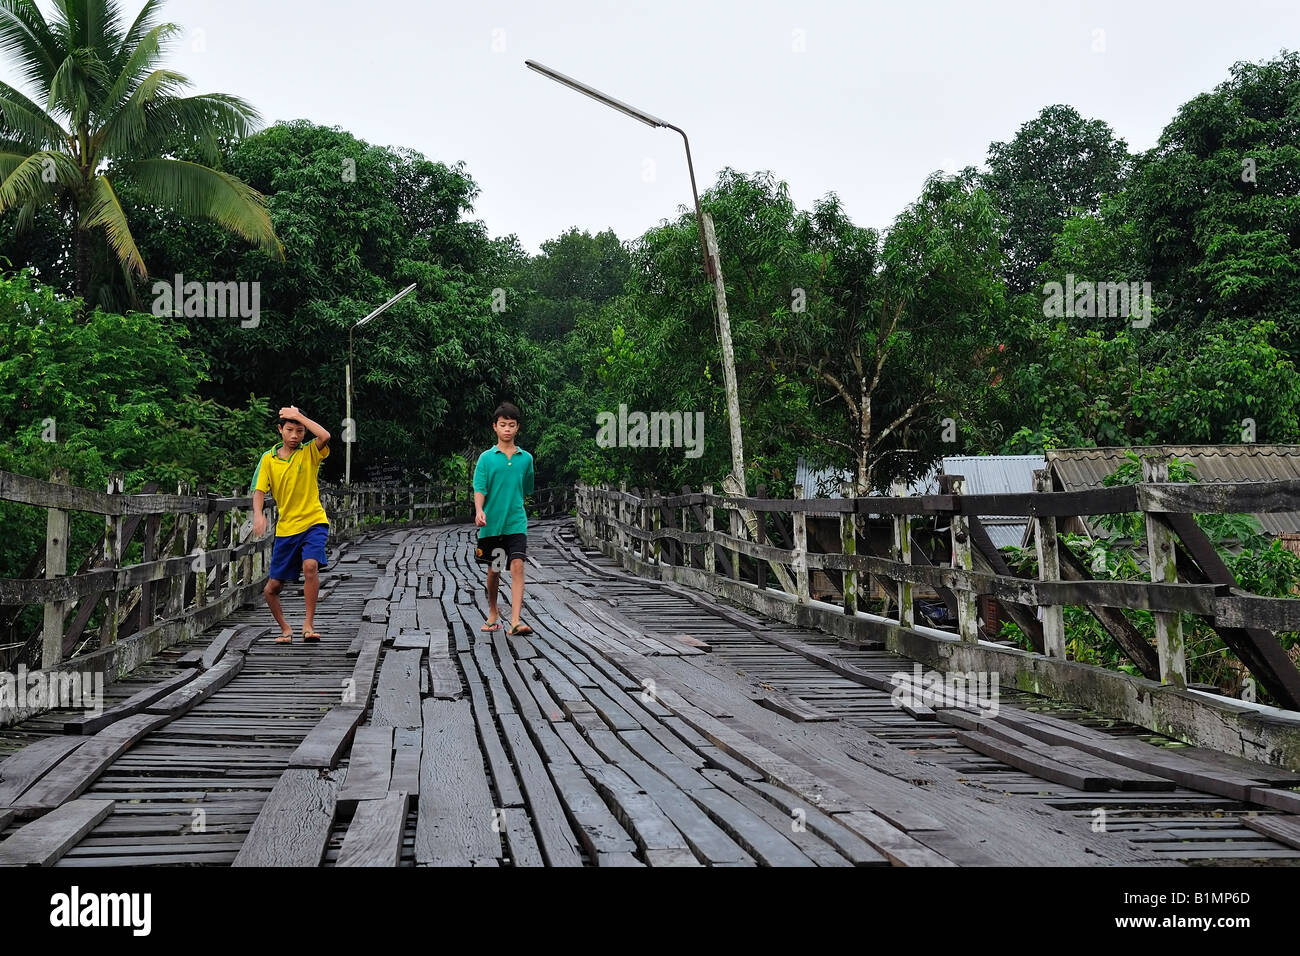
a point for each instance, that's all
(349, 426)
(712, 264)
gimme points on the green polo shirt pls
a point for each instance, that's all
(504, 480)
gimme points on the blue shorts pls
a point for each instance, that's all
(289, 552)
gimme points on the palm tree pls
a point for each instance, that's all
(110, 110)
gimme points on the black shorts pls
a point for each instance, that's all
(500, 549)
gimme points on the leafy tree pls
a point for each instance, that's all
(1057, 164)
(1218, 201)
(111, 110)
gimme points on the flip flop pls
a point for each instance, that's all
(520, 630)
(491, 626)
(286, 637)
(311, 637)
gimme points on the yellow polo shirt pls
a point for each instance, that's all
(292, 483)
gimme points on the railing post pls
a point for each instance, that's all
(56, 565)
(800, 563)
(656, 522)
(710, 549)
(903, 554)
(410, 504)
(734, 523)
(623, 509)
(152, 533)
(1049, 569)
(1164, 569)
(232, 566)
(201, 572)
(688, 553)
(760, 535)
(849, 548)
(112, 559)
(963, 560)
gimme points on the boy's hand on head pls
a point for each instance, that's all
(290, 411)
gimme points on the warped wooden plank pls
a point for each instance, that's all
(42, 842)
(900, 848)
(20, 770)
(769, 846)
(455, 822)
(792, 707)
(1283, 828)
(294, 823)
(132, 705)
(324, 743)
(184, 699)
(648, 824)
(558, 843)
(212, 653)
(1032, 763)
(79, 769)
(374, 836)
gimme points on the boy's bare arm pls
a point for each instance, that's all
(321, 432)
(259, 519)
(480, 519)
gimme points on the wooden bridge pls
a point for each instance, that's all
(666, 712)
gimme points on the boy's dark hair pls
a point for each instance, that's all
(506, 410)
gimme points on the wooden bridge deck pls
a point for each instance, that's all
(640, 725)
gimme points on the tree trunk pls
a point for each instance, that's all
(82, 243)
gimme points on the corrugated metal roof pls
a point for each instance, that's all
(1080, 469)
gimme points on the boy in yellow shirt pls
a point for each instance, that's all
(288, 472)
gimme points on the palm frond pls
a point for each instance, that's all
(26, 37)
(105, 212)
(194, 190)
(34, 176)
(136, 65)
(23, 121)
(151, 130)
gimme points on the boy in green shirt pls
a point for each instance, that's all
(288, 472)
(502, 477)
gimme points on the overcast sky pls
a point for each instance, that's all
(862, 99)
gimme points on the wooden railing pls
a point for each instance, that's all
(198, 561)
(679, 537)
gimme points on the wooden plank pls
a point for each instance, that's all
(454, 825)
(819, 851)
(376, 611)
(596, 827)
(294, 823)
(520, 839)
(407, 746)
(639, 814)
(558, 843)
(1032, 763)
(42, 842)
(374, 836)
(897, 846)
(792, 707)
(79, 769)
(212, 653)
(20, 770)
(1286, 800)
(370, 764)
(132, 705)
(767, 844)
(1283, 828)
(503, 777)
(397, 698)
(185, 698)
(444, 679)
(325, 742)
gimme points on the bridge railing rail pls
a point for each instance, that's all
(1187, 575)
(194, 560)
